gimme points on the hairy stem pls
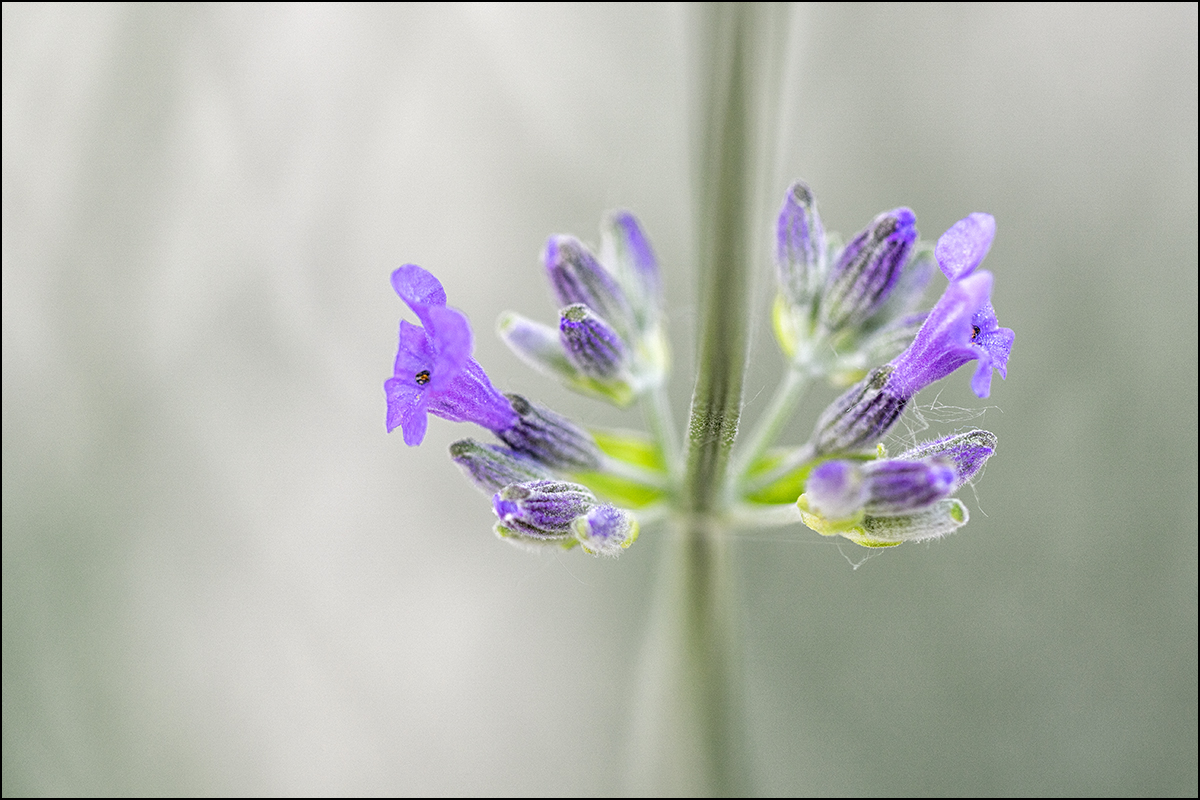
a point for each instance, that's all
(787, 394)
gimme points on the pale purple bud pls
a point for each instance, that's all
(800, 245)
(606, 530)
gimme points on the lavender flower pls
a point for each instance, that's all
(610, 341)
(962, 326)
(834, 322)
(434, 371)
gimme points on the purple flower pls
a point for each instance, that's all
(434, 371)
(962, 326)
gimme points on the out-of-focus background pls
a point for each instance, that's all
(221, 576)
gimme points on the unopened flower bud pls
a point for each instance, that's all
(625, 248)
(836, 489)
(548, 438)
(577, 277)
(491, 467)
(800, 246)
(862, 416)
(967, 451)
(605, 530)
(868, 269)
(886, 487)
(542, 509)
(591, 343)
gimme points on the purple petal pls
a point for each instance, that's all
(470, 397)
(450, 334)
(415, 354)
(418, 287)
(405, 408)
(961, 249)
(944, 342)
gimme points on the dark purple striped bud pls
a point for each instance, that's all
(591, 344)
(868, 269)
(577, 277)
(542, 509)
(548, 438)
(861, 417)
(967, 451)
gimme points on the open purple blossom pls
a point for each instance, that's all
(434, 372)
(962, 326)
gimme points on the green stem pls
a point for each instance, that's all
(787, 394)
(657, 409)
(693, 739)
(794, 459)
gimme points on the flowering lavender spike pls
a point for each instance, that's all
(861, 417)
(591, 344)
(868, 269)
(542, 509)
(577, 277)
(606, 530)
(550, 439)
(968, 451)
(625, 249)
(434, 371)
(800, 246)
(962, 248)
(491, 467)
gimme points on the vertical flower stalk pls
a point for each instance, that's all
(696, 744)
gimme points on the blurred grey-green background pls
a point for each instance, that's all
(220, 575)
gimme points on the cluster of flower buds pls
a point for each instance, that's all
(841, 321)
(887, 501)
(610, 343)
(841, 310)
